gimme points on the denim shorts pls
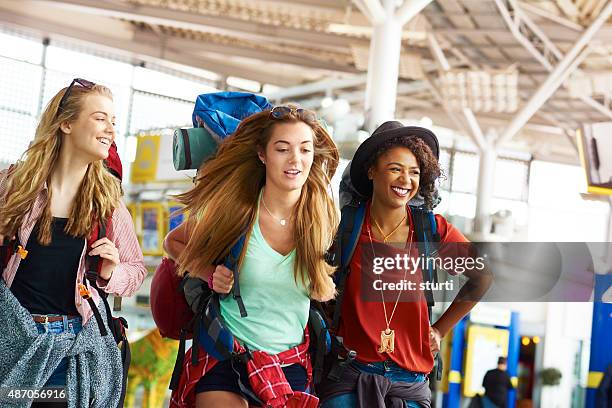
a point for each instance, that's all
(72, 325)
(387, 369)
(223, 378)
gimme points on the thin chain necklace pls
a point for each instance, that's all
(282, 221)
(386, 237)
(387, 336)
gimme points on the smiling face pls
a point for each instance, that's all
(395, 177)
(288, 155)
(92, 133)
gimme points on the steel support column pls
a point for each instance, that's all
(486, 180)
(385, 48)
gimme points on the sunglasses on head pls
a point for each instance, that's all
(78, 81)
(282, 112)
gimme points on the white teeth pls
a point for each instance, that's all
(293, 171)
(400, 191)
(104, 141)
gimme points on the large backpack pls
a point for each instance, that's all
(353, 207)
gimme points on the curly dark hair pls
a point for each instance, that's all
(428, 164)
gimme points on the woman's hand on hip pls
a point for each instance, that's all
(434, 340)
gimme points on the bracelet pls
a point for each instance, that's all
(210, 280)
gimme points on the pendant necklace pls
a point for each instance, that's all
(282, 221)
(387, 336)
(386, 237)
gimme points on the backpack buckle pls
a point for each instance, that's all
(243, 357)
(22, 252)
(84, 292)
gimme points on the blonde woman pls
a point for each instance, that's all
(50, 202)
(269, 181)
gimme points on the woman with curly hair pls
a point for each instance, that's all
(394, 340)
(268, 181)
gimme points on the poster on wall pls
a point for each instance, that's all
(152, 228)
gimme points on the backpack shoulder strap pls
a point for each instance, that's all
(427, 236)
(94, 265)
(351, 222)
(425, 242)
(231, 262)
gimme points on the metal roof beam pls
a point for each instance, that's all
(146, 51)
(201, 22)
(562, 70)
(475, 129)
(409, 9)
(197, 47)
(375, 10)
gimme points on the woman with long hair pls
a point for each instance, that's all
(50, 202)
(394, 341)
(269, 181)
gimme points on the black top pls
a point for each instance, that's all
(45, 282)
(497, 383)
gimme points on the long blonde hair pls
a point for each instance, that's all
(98, 194)
(223, 203)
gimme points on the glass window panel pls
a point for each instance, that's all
(16, 132)
(510, 179)
(445, 157)
(557, 211)
(20, 85)
(156, 112)
(465, 172)
(442, 208)
(82, 65)
(20, 48)
(169, 85)
(462, 204)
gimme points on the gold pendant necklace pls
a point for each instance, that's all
(386, 237)
(387, 336)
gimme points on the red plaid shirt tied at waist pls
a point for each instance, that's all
(266, 377)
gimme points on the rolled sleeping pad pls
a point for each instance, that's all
(191, 147)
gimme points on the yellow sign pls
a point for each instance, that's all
(594, 379)
(144, 168)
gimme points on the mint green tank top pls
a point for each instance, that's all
(277, 306)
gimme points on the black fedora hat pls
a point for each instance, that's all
(386, 131)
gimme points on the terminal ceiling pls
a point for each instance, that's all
(313, 48)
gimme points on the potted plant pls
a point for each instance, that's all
(550, 376)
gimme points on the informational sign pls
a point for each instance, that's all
(144, 168)
(484, 346)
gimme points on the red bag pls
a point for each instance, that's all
(168, 305)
